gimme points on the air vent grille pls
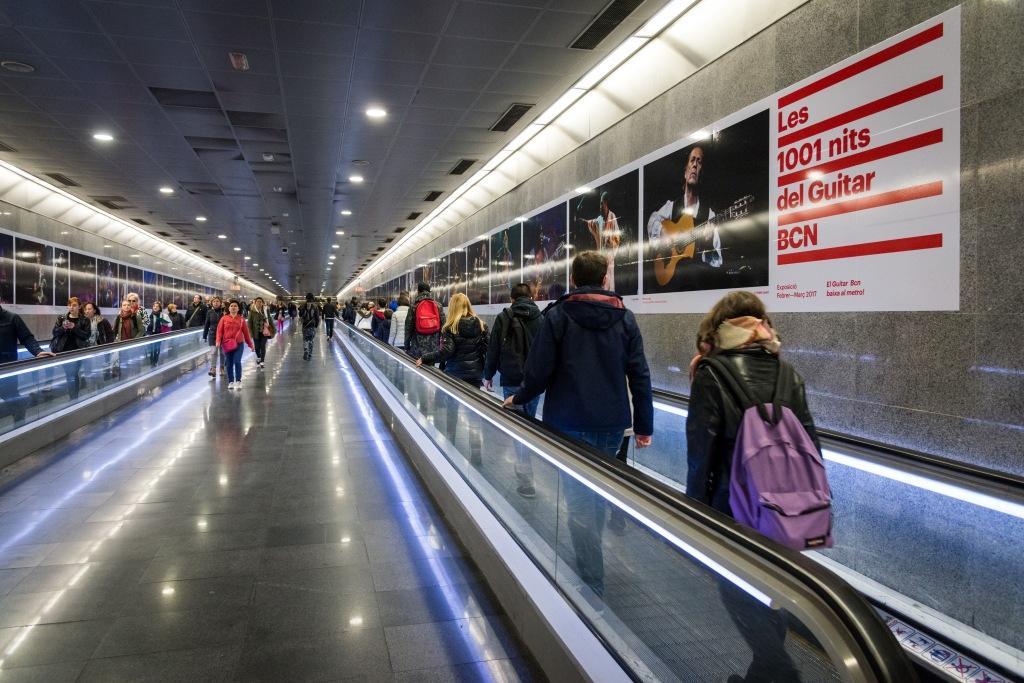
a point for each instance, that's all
(414, 215)
(63, 179)
(462, 166)
(432, 196)
(184, 244)
(163, 233)
(510, 117)
(399, 230)
(605, 22)
(6, 148)
(141, 221)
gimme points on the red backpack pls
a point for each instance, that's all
(428, 317)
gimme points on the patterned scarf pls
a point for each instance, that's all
(739, 333)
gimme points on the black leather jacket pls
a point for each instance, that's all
(75, 338)
(714, 418)
(462, 353)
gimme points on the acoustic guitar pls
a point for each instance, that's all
(683, 236)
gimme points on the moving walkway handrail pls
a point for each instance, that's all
(881, 653)
(24, 365)
(963, 473)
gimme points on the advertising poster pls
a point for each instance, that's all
(134, 281)
(441, 286)
(706, 213)
(546, 250)
(6, 269)
(83, 277)
(61, 281)
(457, 272)
(605, 220)
(506, 262)
(176, 293)
(107, 284)
(150, 291)
(476, 268)
(417, 277)
(33, 273)
(866, 179)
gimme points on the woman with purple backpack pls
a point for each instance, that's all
(739, 385)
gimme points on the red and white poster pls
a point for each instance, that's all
(866, 179)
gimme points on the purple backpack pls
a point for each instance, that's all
(778, 483)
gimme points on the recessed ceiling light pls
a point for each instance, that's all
(106, 246)
(355, 178)
(238, 249)
(335, 246)
(102, 137)
(222, 237)
(376, 112)
(255, 265)
(248, 258)
(339, 232)
(17, 67)
(332, 257)
(201, 219)
(346, 212)
(135, 256)
(166, 190)
(64, 232)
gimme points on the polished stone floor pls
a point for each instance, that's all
(271, 533)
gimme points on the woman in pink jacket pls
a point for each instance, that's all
(232, 332)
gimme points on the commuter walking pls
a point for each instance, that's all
(260, 330)
(213, 317)
(158, 324)
(511, 338)
(383, 330)
(378, 318)
(196, 314)
(293, 310)
(137, 310)
(129, 323)
(177, 319)
(462, 351)
(349, 313)
(364, 317)
(330, 313)
(396, 337)
(232, 332)
(70, 333)
(14, 331)
(736, 342)
(282, 314)
(588, 359)
(310, 324)
(100, 331)
(424, 323)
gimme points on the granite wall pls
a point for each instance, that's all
(946, 383)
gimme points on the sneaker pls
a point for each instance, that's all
(527, 491)
(231, 385)
(238, 384)
(212, 374)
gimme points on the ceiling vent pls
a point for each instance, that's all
(141, 222)
(6, 148)
(195, 99)
(112, 202)
(399, 230)
(184, 244)
(605, 22)
(202, 188)
(462, 166)
(63, 179)
(163, 233)
(432, 196)
(414, 215)
(510, 117)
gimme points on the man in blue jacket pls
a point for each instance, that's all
(588, 351)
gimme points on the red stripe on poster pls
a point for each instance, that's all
(932, 137)
(865, 249)
(904, 46)
(905, 194)
(881, 104)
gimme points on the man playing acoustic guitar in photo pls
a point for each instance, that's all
(678, 236)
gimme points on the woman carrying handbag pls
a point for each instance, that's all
(260, 329)
(232, 332)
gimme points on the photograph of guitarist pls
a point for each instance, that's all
(604, 228)
(708, 245)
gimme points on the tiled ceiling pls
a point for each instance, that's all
(157, 75)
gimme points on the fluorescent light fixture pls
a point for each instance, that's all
(166, 190)
(335, 246)
(339, 232)
(528, 134)
(103, 136)
(222, 237)
(376, 112)
(663, 18)
(355, 178)
(248, 258)
(560, 105)
(700, 135)
(497, 159)
(583, 189)
(107, 246)
(346, 212)
(256, 265)
(238, 249)
(520, 219)
(608, 64)
(200, 219)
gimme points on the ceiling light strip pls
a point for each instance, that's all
(668, 19)
(183, 257)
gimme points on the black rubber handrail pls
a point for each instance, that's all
(850, 608)
(948, 466)
(113, 346)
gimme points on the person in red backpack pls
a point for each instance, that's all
(738, 332)
(423, 324)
